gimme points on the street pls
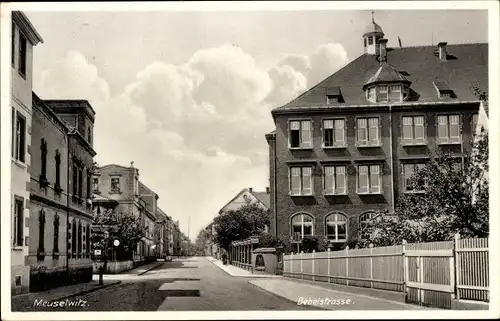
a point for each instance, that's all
(182, 285)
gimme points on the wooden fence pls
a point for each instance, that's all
(429, 273)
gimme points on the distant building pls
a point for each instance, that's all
(348, 146)
(24, 37)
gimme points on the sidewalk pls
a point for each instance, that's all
(328, 299)
(25, 302)
(140, 270)
(236, 271)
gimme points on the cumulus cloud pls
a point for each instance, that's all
(195, 130)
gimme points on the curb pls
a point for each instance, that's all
(87, 291)
(150, 269)
(313, 307)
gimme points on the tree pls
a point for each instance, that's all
(455, 201)
(127, 229)
(309, 244)
(248, 220)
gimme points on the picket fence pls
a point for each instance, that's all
(430, 274)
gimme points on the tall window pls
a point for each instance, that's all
(89, 135)
(383, 94)
(22, 54)
(413, 130)
(302, 225)
(95, 184)
(474, 123)
(115, 184)
(409, 171)
(56, 237)
(368, 131)
(449, 129)
(19, 136)
(75, 180)
(336, 227)
(57, 185)
(43, 174)
(369, 181)
(301, 182)
(87, 240)
(80, 182)
(333, 132)
(18, 234)
(335, 180)
(364, 218)
(13, 45)
(73, 240)
(41, 233)
(300, 134)
(395, 93)
(89, 178)
(370, 40)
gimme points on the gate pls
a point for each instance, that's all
(430, 273)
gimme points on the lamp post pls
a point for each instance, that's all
(330, 245)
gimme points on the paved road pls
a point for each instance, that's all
(192, 284)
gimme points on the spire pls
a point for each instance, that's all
(373, 16)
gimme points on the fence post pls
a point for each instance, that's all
(406, 272)
(301, 270)
(371, 264)
(347, 265)
(455, 266)
(328, 259)
(313, 277)
(291, 264)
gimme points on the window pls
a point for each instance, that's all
(19, 140)
(75, 180)
(56, 237)
(73, 240)
(336, 227)
(368, 132)
(369, 179)
(395, 93)
(334, 180)
(333, 132)
(43, 174)
(413, 130)
(301, 182)
(22, 54)
(95, 184)
(363, 224)
(87, 240)
(41, 235)
(302, 225)
(371, 94)
(115, 184)
(89, 135)
(13, 45)
(449, 129)
(300, 134)
(80, 182)
(409, 171)
(57, 185)
(332, 99)
(79, 246)
(370, 40)
(383, 94)
(18, 234)
(89, 178)
(474, 123)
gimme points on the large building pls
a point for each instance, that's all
(24, 37)
(348, 146)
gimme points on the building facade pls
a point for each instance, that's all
(24, 38)
(149, 220)
(348, 147)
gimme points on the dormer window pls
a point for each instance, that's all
(383, 94)
(333, 95)
(331, 99)
(387, 93)
(443, 89)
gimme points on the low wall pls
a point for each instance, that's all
(114, 267)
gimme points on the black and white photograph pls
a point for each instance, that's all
(235, 160)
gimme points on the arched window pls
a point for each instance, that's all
(302, 225)
(41, 234)
(364, 218)
(73, 239)
(56, 237)
(336, 227)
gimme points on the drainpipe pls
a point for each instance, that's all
(275, 190)
(392, 160)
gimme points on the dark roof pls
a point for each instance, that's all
(263, 197)
(386, 73)
(333, 91)
(466, 66)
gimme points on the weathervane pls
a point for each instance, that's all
(373, 16)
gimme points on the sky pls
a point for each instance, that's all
(187, 95)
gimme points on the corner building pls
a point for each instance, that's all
(348, 146)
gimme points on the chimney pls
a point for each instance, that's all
(250, 189)
(267, 190)
(383, 50)
(442, 50)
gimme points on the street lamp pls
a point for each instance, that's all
(330, 245)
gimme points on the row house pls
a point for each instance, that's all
(23, 38)
(149, 220)
(347, 147)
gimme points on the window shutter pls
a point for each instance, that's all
(294, 125)
(373, 131)
(362, 139)
(306, 181)
(295, 180)
(374, 179)
(443, 129)
(454, 128)
(339, 132)
(329, 179)
(306, 134)
(362, 179)
(340, 180)
(419, 130)
(407, 130)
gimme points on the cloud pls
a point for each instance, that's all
(195, 130)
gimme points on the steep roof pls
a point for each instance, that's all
(263, 197)
(386, 73)
(466, 66)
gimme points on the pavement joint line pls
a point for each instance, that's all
(354, 294)
(87, 291)
(151, 269)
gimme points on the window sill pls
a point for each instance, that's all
(301, 195)
(367, 194)
(335, 147)
(414, 192)
(335, 194)
(449, 143)
(368, 146)
(16, 247)
(44, 182)
(413, 144)
(19, 163)
(23, 75)
(58, 189)
(301, 148)
(115, 192)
